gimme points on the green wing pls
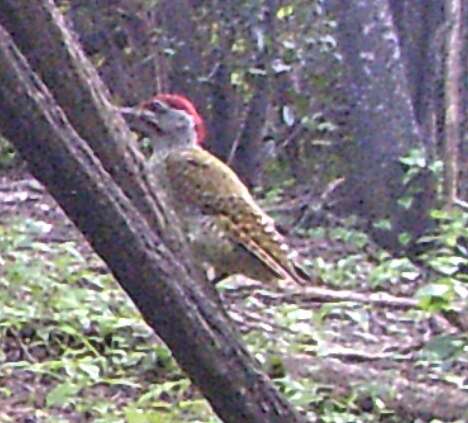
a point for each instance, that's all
(204, 182)
(200, 179)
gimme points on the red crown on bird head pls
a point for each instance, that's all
(180, 102)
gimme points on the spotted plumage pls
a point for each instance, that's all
(209, 197)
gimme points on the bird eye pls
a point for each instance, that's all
(157, 107)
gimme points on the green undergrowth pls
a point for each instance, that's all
(76, 333)
(73, 346)
(439, 274)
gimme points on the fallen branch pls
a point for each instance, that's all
(326, 295)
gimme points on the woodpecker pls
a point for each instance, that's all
(225, 226)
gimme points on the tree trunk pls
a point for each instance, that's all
(418, 26)
(186, 63)
(383, 122)
(102, 186)
(249, 158)
(223, 111)
(464, 109)
(453, 80)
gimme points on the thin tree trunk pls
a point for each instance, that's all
(453, 75)
(186, 65)
(249, 158)
(223, 112)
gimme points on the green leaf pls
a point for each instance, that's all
(443, 347)
(440, 214)
(383, 224)
(415, 157)
(91, 370)
(404, 238)
(436, 167)
(63, 394)
(435, 296)
(257, 71)
(139, 416)
(279, 66)
(447, 265)
(236, 78)
(434, 290)
(285, 11)
(406, 202)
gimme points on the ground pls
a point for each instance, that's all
(73, 348)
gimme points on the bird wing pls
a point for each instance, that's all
(203, 181)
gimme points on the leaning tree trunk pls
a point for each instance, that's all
(102, 186)
(382, 122)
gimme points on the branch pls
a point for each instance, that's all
(326, 295)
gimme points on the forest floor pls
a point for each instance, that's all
(387, 362)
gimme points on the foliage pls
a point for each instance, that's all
(446, 247)
(447, 258)
(76, 331)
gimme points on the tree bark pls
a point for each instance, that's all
(453, 78)
(103, 190)
(223, 110)
(417, 25)
(187, 63)
(464, 109)
(249, 158)
(383, 123)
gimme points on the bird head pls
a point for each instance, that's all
(167, 120)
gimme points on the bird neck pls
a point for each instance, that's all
(165, 144)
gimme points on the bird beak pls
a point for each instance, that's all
(130, 114)
(138, 119)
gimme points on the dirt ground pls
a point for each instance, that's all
(385, 349)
